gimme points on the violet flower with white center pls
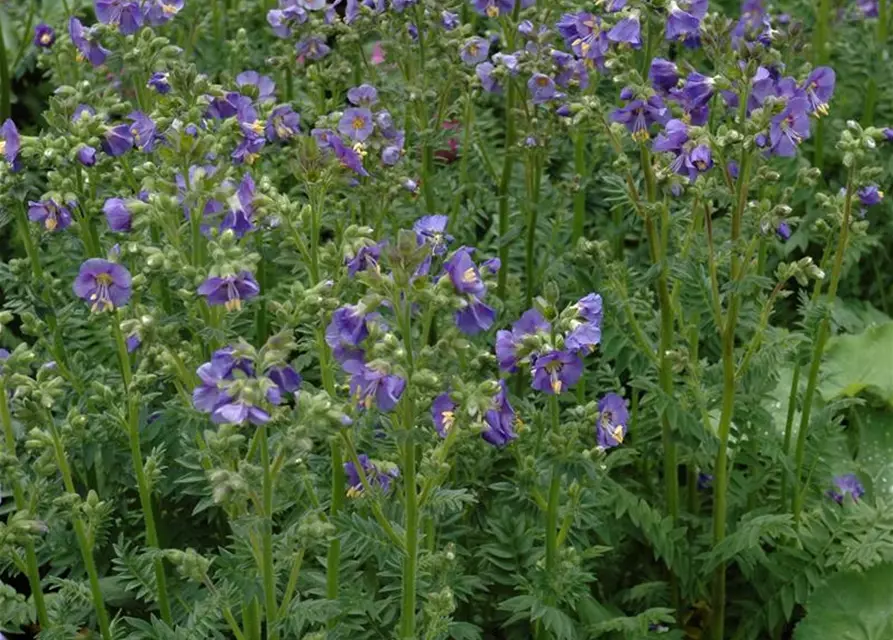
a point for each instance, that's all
(613, 421)
(10, 143)
(262, 85)
(53, 216)
(542, 88)
(230, 291)
(105, 285)
(507, 342)
(376, 477)
(84, 41)
(847, 485)
(44, 36)
(556, 371)
(500, 419)
(475, 50)
(443, 414)
(283, 124)
(373, 387)
(356, 123)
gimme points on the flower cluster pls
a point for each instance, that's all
(553, 351)
(233, 392)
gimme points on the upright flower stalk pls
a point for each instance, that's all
(21, 503)
(136, 458)
(821, 341)
(410, 488)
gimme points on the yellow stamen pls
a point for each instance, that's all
(233, 305)
(641, 135)
(469, 276)
(251, 158)
(79, 57)
(368, 400)
(448, 418)
(2, 146)
(617, 433)
(354, 492)
(46, 39)
(168, 9)
(493, 11)
(257, 127)
(556, 386)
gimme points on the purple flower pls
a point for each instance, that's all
(230, 290)
(82, 111)
(500, 419)
(484, 72)
(583, 338)
(443, 414)
(582, 32)
(284, 123)
(356, 123)
(464, 273)
(348, 157)
(663, 75)
(232, 104)
(143, 131)
(313, 48)
(365, 95)
(432, 230)
(159, 12)
(697, 91)
(105, 285)
(449, 20)
(819, 87)
(556, 371)
(783, 231)
(684, 22)
(241, 211)
(159, 81)
(474, 316)
(627, 31)
(372, 386)
(692, 159)
(542, 88)
(347, 328)
(85, 43)
(264, 85)
(119, 13)
(117, 214)
(639, 115)
(613, 421)
(507, 342)
(44, 36)
(374, 476)
(590, 308)
(10, 143)
(474, 50)
(86, 155)
(789, 128)
(493, 8)
(53, 215)
(285, 378)
(248, 150)
(385, 123)
(133, 342)
(118, 140)
(705, 480)
(846, 485)
(870, 195)
(367, 257)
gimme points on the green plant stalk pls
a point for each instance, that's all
(533, 196)
(508, 164)
(410, 560)
(5, 86)
(721, 473)
(789, 425)
(880, 43)
(136, 457)
(659, 247)
(580, 194)
(467, 136)
(25, 40)
(102, 616)
(554, 496)
(267, 569)
(820, 56)
(31, 564)
(819, 348)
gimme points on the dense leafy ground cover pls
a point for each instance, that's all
(421, 319)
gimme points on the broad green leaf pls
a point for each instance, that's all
(857, 363)
(875, 455)
(851, 606)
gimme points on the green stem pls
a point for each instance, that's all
(408, 610)
(721, 474)
(880, 43)
(503, 193)
(32, 566)
(580, 193)
(819, 348)
(533, 196)
(789, 425)
(5, 87)
(554, 496)
(102, 616)
(136, 457)
(25, 40)
(820, 55)
(268, 571)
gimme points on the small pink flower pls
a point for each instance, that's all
(377, 53)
